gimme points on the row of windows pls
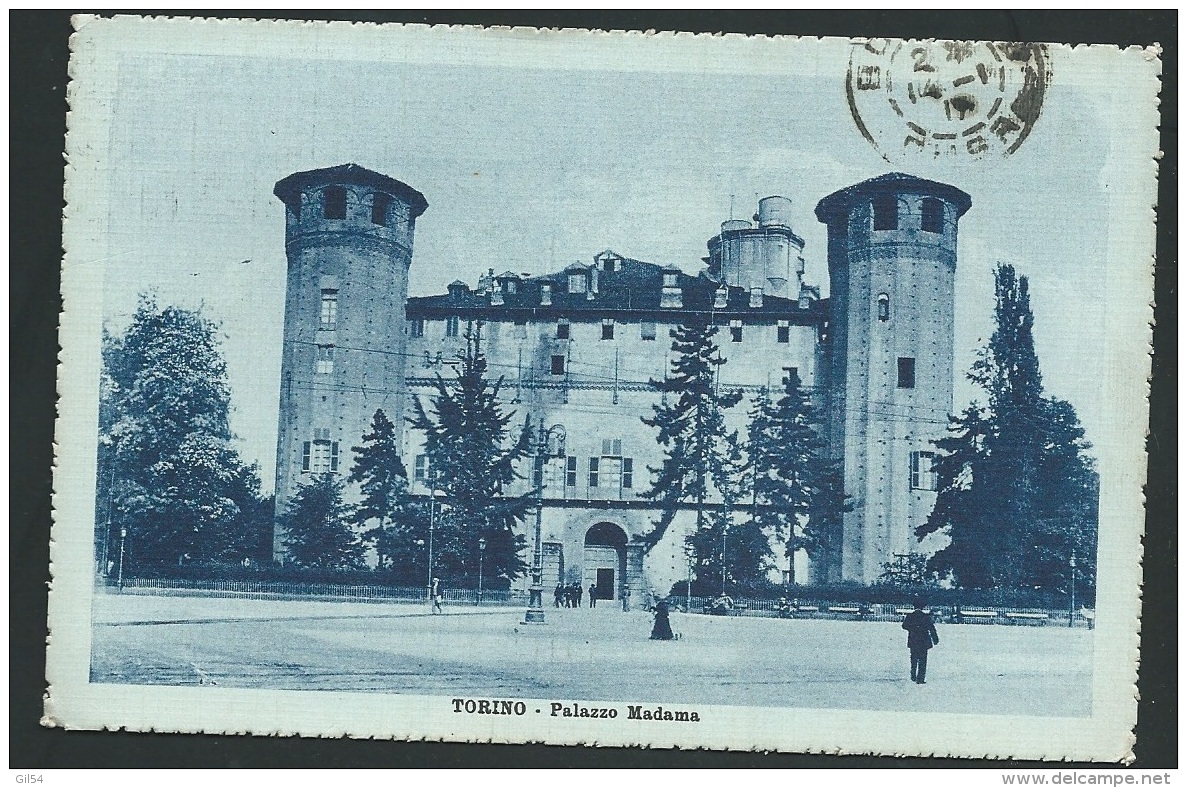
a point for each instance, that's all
(886, 214)
(610, 470)
(334, 205)
(647, 329)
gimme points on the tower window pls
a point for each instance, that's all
(558, 365)
(418, 327)
(576, 283)
(923, 470)
(735, 331)
(451, 326)
(571, 471)
(647, 330)
(380, 203)
(329, 308)
(335, 199)
(783, 332)
(562, 329)
(883, 307)
(933, 216)
(319, 456)
(594, 463)
(608, 328)
(906, 373)
(886, 212)
(325, 359)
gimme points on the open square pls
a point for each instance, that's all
(601, 654)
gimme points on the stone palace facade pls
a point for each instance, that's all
(577, 347)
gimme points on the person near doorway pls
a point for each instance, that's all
(436, 594)
(577, 592)
(593, 596)
(558, 595)
(662, 629)
(921, 636)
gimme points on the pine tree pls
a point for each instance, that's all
(383, 481)
(168, 472)
(468, 440)
(692, 433)
(317, 530)
(1017, 489)
(792, 480)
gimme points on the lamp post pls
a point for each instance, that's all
(535, 611)
(432, 501)
(481, 554)
(123, 541)
(1071, 611)
(688, 559)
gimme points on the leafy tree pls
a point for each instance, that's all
(168, 472)
(1017, 489)
(317, 529)
(691, 431)
(908, 570)
(468, 432)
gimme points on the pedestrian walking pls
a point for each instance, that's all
(558, 595)
(593, 597)
(577, 592)
(921, 636)
(436, 594)
(662, 629)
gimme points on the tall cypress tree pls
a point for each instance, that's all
(1017, 489)
(468, 438)
(691, 430)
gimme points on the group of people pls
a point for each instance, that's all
(571, 595)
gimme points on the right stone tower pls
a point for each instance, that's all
(892, 266)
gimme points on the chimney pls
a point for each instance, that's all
(755, 297)
(593, 283)
(546, 294)
(721, 298)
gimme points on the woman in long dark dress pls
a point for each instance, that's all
(663, 627)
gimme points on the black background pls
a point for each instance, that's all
(38, 57)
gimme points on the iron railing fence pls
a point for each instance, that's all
(273, 589)
(767, 608)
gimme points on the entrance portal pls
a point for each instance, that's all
(604, 566)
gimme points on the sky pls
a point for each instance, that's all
(531, 168)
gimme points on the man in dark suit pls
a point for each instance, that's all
(921, 636)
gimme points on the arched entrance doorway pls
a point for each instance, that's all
(604, 564)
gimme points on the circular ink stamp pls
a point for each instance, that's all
(964, 98)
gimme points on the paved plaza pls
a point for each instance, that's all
(583, 654)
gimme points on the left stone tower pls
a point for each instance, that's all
(348, 238)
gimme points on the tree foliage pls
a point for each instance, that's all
(472, 455)
(797, 490)
(168, 472)
(317, 529)
(379, 471)
(1017, 488)
(691, 430)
